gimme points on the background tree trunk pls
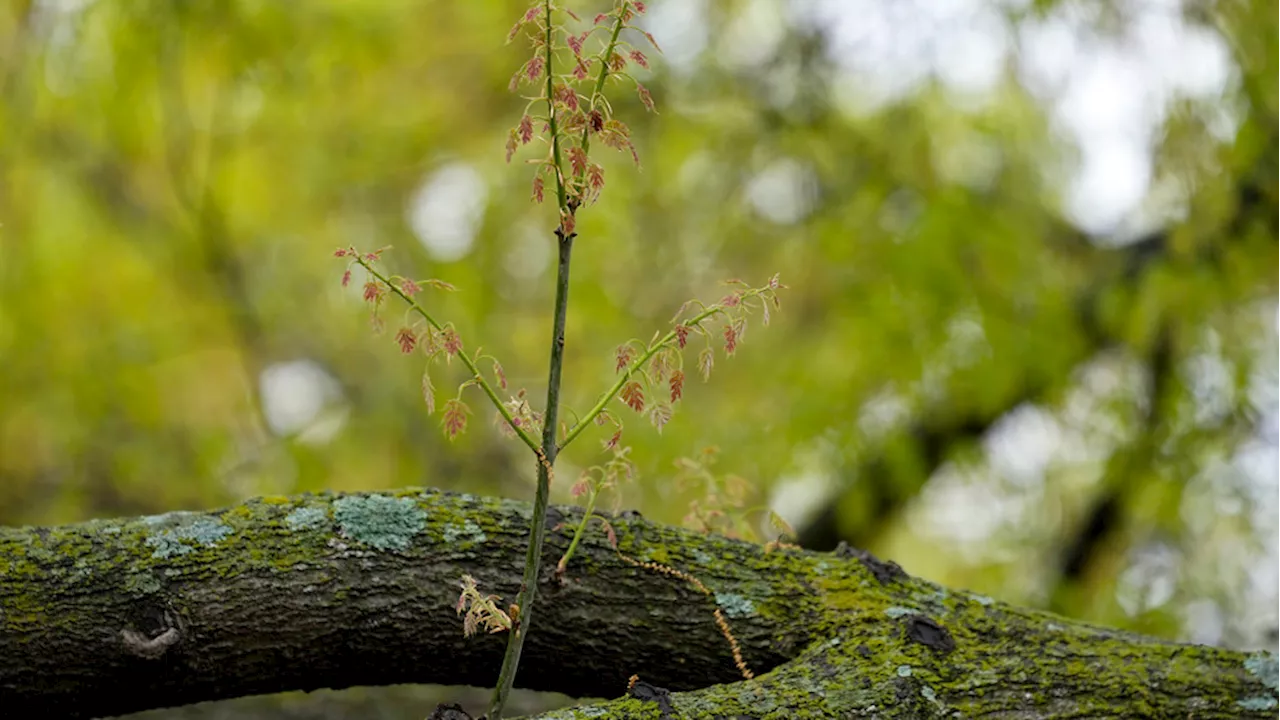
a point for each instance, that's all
(316, 591)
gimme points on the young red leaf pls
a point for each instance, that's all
(730, 339)
(455, 418)
(406, 339)
(623, 357)
(633, 395)
(613, 441)
(682, 335)
(452, 343)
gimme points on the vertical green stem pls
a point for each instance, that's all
(538, 529)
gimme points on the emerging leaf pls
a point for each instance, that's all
(782, 526)
(373, 291)
(428, 391)
(660, 415)
(440, 285)
(622, 358)
(677, 385)
(455, 418)
(610, 533)
(613, 441)
(645, 98)
(633, 395)
(406, 339)
(452, 343)
(502, 377)
(682, 335)
(706, 360)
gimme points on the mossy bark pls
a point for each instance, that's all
(114, 616)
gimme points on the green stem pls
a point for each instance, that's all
(578, 532)
(546, 461)
(484, 384)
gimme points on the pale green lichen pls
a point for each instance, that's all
(305, 518)
(904, 671)
(928, 694)
(735, 606)
(982, 599)
(1263, 666)
(142, 583)
(897, 611)
(186, 538)
(466, 531)
(385, 523)
(1258, 703)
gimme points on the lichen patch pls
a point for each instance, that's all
(305, 518)
(379, 521)
(1263, 666)
(187, 538)
(735, 606)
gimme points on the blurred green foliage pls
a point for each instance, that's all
(173, 334)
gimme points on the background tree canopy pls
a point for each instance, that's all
(1029, 345)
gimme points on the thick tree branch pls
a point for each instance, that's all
(115, 616)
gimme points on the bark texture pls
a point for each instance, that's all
(315, 591)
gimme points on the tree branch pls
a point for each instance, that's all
(339, 590)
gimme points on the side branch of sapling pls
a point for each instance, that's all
(579, 531)
(634, 367)
(468, 362)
